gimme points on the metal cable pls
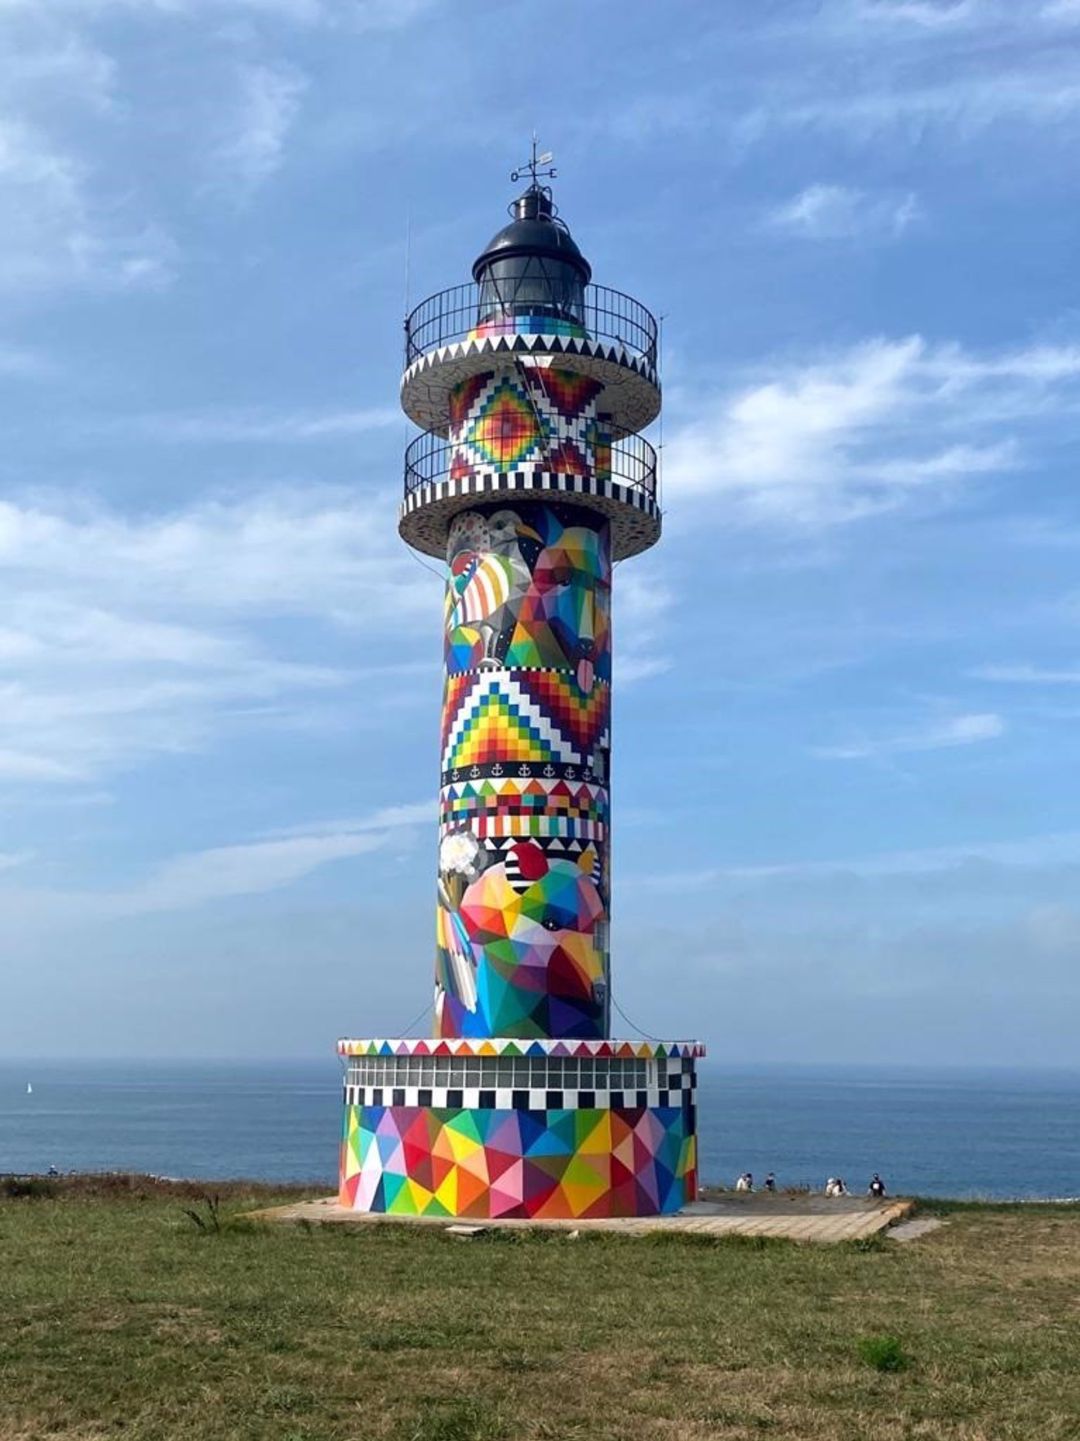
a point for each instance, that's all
(633, 1025)
(416, 1019)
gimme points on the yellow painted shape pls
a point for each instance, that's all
(447, 1193)
(412, 1192)
(598, 1140)
(461, 1146)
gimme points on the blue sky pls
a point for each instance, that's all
(847, 751)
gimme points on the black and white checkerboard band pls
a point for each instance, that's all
(553, 1083)
(472, 1098)
(426, 513)
(492, 482)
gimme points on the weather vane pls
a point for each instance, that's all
(533, 167)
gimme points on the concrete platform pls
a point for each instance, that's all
(791, 1218)
(912, 1230)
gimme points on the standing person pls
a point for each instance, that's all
(877, 1187)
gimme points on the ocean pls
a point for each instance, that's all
(992, 1133)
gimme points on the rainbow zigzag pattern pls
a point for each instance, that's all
(509, 1046)
(493, 717)
(566, 391)
(580, 716)
(521, 716)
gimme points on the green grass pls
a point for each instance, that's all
(884, 1353)
(123, 1318)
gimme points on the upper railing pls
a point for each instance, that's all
(631, 462)
(454, 314)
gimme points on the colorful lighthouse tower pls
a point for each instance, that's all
(530, 479)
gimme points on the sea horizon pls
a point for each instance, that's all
(1000, 1131)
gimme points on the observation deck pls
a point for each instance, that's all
(600, 334)
(627, 491)
(605, 334)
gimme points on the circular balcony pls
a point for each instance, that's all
(455, 314)
(624, 489)
(462, 331)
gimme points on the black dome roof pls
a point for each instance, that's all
(534, 231)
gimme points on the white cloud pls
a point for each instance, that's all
(19, 363)
(928, 14)
(224, 871)
(268, 102)
(130, 636)
(362, 15)
(866, 429)
(386, 14)
(313, 551)
(1041, 852)
(827, 212)
(389, 818)
(1026, 675)
(288, 9)
(963, 730)
(21, 765)
(244, 427)
(642, 602)
(966, 106)
(1066, 11)
(12, 859)
(632, 668)
(57, 231)
(201, 877)
(52, 64)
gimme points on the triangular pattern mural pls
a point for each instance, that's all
(583, 1163)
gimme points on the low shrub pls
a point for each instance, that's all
(29, 1188)
(883, 1353)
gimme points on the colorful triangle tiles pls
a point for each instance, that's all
(587, 1163)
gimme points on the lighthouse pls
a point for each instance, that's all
(529, 479)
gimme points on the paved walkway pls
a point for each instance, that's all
(792, 1218)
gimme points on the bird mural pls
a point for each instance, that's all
(489, 576)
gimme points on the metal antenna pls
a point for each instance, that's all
(408, 255)
(534, 166)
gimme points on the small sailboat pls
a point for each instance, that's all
(29, 1089)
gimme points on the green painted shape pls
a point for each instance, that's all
(392, 1188)
(463, 1123)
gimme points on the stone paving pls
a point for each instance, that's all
(912, 1230)
(794, 1218)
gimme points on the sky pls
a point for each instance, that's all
(847, 681)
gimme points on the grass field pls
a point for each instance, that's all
(121, 1318)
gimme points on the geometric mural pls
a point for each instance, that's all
(584, 1163)
(501, 806)
(490, 718)
(522, 921)
(538, 716)
(525, 418)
